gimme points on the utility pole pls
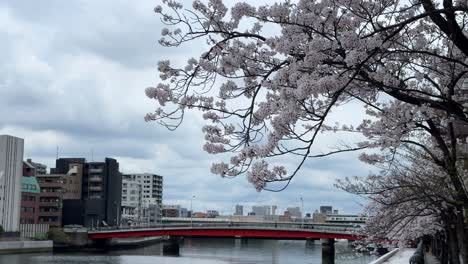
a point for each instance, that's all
(191, 211)
(302, 211)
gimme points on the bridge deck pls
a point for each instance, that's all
(225, 231)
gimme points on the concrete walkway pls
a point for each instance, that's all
(401, 257)
(430, 259)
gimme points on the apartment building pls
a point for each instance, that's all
(147, 189)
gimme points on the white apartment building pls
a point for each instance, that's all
(145, 188)
(151, 185)
(11, 170)
(131, 201)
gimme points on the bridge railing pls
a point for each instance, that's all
(282, 226)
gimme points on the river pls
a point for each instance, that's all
(203, 251)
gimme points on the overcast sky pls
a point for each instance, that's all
(73, 75)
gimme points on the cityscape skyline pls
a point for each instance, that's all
(86, 97)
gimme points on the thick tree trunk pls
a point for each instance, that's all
(444, 250)
(454, 252)
(461, 236)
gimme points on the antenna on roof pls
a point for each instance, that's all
(57, 153)
(92, 155)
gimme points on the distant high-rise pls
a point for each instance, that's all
(239, 210)
(273, 209)
(326, 209)
(183, 212)
(261, 210)
(11, 170)
(295, 212)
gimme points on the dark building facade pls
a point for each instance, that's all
(326, 209)
(101, 188)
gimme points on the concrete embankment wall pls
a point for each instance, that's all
(135, 241)
(11, 247)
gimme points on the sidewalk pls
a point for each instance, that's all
(430, 259)
(401, 257)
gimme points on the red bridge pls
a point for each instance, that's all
(244, 230)
(327, 233)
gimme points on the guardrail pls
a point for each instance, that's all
(385, 257)
(234, 225)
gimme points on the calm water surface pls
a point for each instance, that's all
(206, 251)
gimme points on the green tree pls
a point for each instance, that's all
(58, 236)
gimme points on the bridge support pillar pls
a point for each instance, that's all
(328, 251)
(171, 247)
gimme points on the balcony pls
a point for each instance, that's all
(95, 188)
(57, 184)
(96, 170)
(95, 179)
(51, 194)
(54, 223)
(49, 204)
(50, 213)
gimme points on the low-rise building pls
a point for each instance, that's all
(171, 210)
(318, 217)
(295, 212)
(212, 214)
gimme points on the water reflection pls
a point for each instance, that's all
(202, 250)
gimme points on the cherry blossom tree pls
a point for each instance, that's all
(410, 198)
(272, 75)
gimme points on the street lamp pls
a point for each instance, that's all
(302, 211)
(191, 211)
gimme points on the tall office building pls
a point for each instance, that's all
(101, 192)
(11, 170)
(239, 210)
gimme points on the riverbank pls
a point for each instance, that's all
(25, 246)
(111, 244)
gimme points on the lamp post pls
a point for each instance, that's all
(302, 211)
(191, 211)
